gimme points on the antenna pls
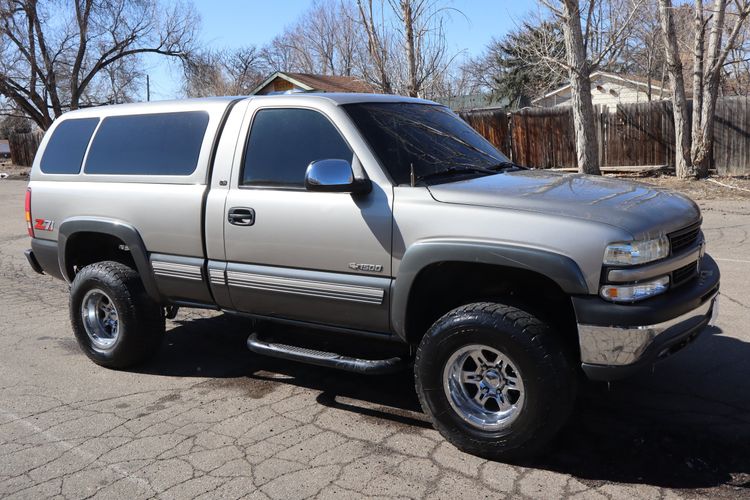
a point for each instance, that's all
(412, 177)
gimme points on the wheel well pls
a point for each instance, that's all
(444, 286)
(85, 248)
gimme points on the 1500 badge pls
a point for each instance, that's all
(373, 268)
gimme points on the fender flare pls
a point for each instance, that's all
(122, 230)
(559, 268)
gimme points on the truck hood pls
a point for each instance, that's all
(642, 210)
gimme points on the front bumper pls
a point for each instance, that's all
(617, 340)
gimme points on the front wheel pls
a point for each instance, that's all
(494, 380)
(114, 320)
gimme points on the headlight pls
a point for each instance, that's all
(632, 293)
(636, 252)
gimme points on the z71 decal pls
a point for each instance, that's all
(44, 225)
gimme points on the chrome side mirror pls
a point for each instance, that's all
(334, 176)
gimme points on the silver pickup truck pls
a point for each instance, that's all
(378, 221)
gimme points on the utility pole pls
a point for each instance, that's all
(148, 89)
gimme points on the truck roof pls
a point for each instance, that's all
(349, 98)
(223, 102)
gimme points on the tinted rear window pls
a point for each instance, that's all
(65, 149)
(155, 144)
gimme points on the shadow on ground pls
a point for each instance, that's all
(686, 425)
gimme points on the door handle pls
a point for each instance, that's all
(240, 216)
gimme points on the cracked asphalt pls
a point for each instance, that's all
(208, 419)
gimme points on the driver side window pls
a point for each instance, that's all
(284, 141)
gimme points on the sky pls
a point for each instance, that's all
(234, 23)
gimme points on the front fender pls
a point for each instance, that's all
(559, 268)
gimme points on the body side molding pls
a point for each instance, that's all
(181, 278)
(559, 268)
(355, 301)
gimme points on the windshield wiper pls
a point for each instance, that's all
(506, 165)
(455, 171)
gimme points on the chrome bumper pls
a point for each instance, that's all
(621, 346)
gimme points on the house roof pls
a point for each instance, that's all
(324, 83)
(632, 80)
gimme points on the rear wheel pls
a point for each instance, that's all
(114, 320)
(494, 380)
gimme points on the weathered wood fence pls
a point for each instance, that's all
(633, 135)
(731, 153)
(23, 147)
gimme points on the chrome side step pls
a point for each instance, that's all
(324, 358)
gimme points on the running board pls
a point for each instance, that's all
(324, 358)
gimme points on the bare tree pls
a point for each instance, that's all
(592, 37)
(278, 55)
(349, 39)
(204, 74)
(420, 29)
(325, 39)
(736, 79)
(318, 29)
(51, 54)
(408, 12)
(579, 67)
(695, 146)
(712, 63)
(245, 68)
(223, 72)
(406, 46)
(378, 45)
(677, 86)
(644, 53)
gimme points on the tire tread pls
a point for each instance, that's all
(145, 322)
(541, 344)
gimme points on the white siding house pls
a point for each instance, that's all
(607, 89)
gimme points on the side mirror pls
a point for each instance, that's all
(334, 176)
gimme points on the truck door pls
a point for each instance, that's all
(301, 255)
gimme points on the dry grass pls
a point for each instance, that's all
(734, 188)
(14, 171)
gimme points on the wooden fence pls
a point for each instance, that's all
(732, 136)
(636, 134)
(23, 147)
(633, 135)
(540, 137)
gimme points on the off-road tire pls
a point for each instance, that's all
(548, 378)
(141, 320)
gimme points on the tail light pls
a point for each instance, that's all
(27, 208)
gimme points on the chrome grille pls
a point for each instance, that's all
(684, 238)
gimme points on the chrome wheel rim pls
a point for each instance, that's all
(484, 387)
(100, 319)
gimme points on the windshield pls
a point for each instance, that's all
(428, 138)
